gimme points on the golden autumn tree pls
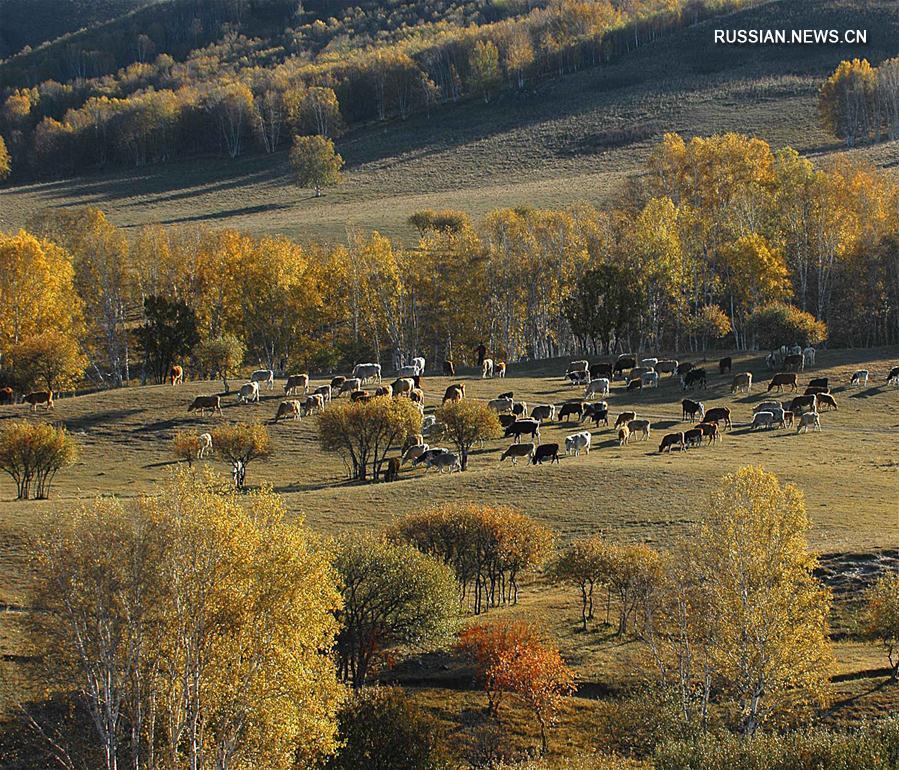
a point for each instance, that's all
(846, 100)
(742, 612)
(315, 162)
(584, 564)
(363, 432)
(103, 279)
(5, 162)
(51, 361)
(32, 453)
(240, 444)
(195, 624)
(466, 422)
(37, 290)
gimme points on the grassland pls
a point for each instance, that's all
(562, 141)
(849, 473)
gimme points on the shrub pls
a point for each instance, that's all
(379, 728)
(874, 746)
(32, 453)
(466, 422)
(779, 323)
(185, 446)
(315, 162)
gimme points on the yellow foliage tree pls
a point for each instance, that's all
(846, 100)
(51, 360)
(37, 290)
(195, 626)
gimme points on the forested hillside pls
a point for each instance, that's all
(190, 77)
(32, 22)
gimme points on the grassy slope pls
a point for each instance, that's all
(551, 147)
(848, 472)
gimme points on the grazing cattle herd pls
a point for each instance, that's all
(522, 424)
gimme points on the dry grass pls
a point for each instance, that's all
(849, 472)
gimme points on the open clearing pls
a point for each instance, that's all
(849, 472)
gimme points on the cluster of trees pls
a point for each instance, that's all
(239, 90)
(489, 549)
(723, 241)
(202, 627)
(32, 453)
(859, 102)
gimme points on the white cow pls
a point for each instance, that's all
(446, 461)
(414, 452)
(500, 404)
(806, 420)
(428, 423)
(366, 372)
(205, 445)
(408, 371)
(264, 377)
(859, 378)
(649, 363)
(487, 368)
(576, 442)
(248, 392)
(419, 363)
(808, 356)
(649, 379)
(599, 386)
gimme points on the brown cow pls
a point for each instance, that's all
(624, 418)
(392, 472)
(718, 414)
(176, 375)
(454, 393)
(202, 403)
(710, 431)
(384, 390)
(39, 397)
(294, 382)
(794, 362)
(417, 395)
(825, 399)
(360, 395)
(290, 409)
(783, 378)
(7, 396)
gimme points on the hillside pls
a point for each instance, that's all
(574, 138)
(32, 22)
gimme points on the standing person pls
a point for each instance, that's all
(481, 350)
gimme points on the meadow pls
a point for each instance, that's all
(848, 471)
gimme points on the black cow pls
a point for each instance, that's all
(725, 365)
(683, 367)
(600, 370)
(598, 412)
(691, 409)
(819, 382)
(544, 451)
(669, 440)
(576, 409)
(693, 378)
(693, 437)
(625, 361)
(449, 369)
(520, 428)
(505, 420)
